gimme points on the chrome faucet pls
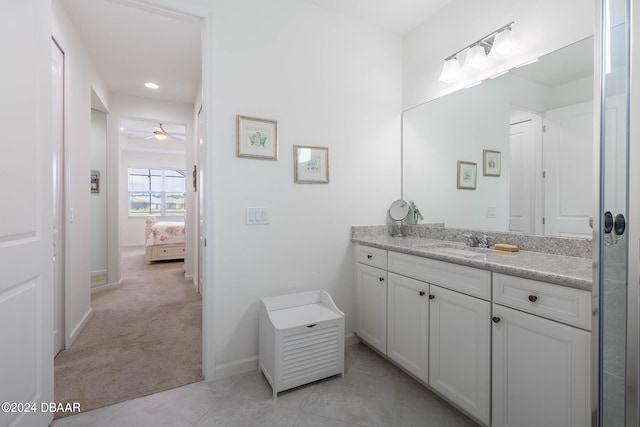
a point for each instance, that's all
(471, 240)
(474, 241)
(416, 213)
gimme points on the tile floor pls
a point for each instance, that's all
(373, 392)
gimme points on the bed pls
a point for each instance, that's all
(164, 240)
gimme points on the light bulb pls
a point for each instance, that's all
(476, 57)
(451, 71)
(504, 43)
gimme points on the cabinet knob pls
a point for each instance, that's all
(381, 279)
(431, 296)
(495, 319)
(421, 293)
(533, 298)
(369, 256)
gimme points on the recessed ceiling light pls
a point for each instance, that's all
(151, 85)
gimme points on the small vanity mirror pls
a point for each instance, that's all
(398, 212)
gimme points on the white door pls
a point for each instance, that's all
(371, 312)
(57, 142)
(540, 372)
(26, 254)
(522, 176)
(408, 324)
(460, 349)
(568, 164)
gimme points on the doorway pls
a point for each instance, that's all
(126, 12)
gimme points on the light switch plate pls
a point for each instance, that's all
(257, 216)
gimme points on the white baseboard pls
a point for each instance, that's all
(106, 287)
(70, 339)
(99, 273)
(132, 245)
(249, 364)
(236, 367)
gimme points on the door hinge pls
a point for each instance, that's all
(544, 174)
(543, 220)
(544, 128)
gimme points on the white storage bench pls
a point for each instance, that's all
(301, 339)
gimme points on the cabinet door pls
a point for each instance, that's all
(371, 300)
(540, 372)
(459, 350)
(407, 324)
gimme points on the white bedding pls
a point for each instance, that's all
(166, 232)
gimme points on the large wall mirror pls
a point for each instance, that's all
(529, 133)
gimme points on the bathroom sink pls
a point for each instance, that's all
(455, 250)
(466, 253)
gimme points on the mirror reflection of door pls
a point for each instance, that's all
(96, 184)
(568, 165)
(525, 150)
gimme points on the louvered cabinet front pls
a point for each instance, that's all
(310, 353)
(301, 343)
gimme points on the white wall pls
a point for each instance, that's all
(132, 230)
(81, 77)
(542, 26)
(329, 81)
(99, 200)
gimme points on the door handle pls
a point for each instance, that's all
(619, 224)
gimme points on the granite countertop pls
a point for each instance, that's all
(562, 270)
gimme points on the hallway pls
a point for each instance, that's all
(144, 337)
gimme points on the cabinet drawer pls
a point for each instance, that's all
(468, 280)
(555, 302)
(372, 256)
(171, 251)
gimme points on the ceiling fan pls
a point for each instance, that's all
(162, 134)
(146, 130)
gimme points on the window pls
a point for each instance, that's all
(159, 192)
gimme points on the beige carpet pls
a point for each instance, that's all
(143, 338)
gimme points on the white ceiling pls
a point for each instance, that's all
(399, 16)
(131, 46)
(132, 43)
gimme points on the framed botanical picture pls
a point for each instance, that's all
(491, 163)
(95, 181)
(311, 164)
(256, 138)
(467, 172)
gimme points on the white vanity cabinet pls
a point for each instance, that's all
(447, 330)
(459, 350)
(540, 365)
(371, 297)
(509, 351)
(408, 324)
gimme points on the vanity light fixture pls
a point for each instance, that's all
(451, 71)
(476, 57)
(499, 43)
